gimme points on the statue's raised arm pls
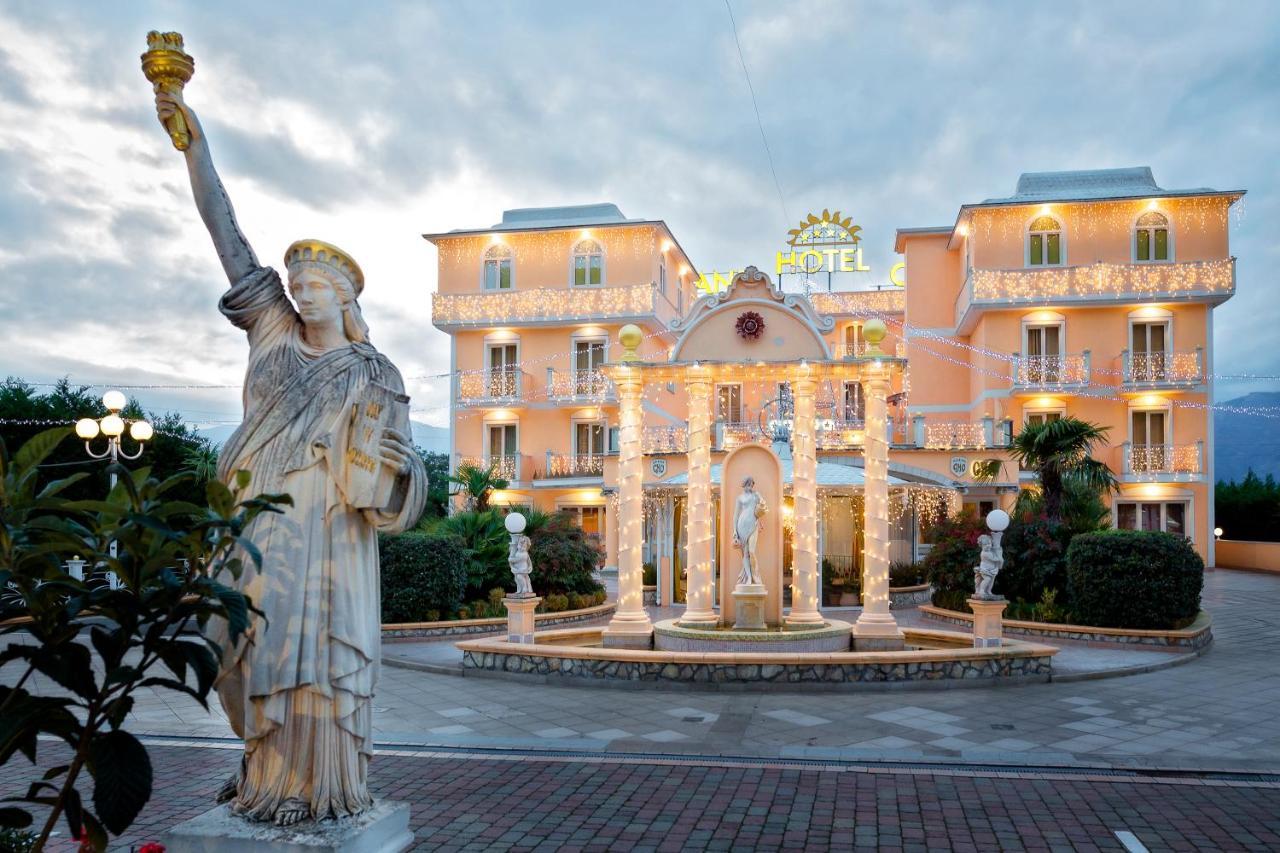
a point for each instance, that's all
(238, 259)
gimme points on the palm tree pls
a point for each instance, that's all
(477, 484)
(1058, 451)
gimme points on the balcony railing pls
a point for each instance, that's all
(1097, 282)
(860, 302)
(575, 464)
(954, 435)
(551, 306)
(841, 434)
(858, 350)
(665, 439)
(1152, 369)
(1051, 372)
(509, 466)
(579, 386)
(1163, 461)
(503, 386)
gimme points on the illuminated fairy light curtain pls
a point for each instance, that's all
(699, 593)
(630, 614)
(876, 620)
(804, 490)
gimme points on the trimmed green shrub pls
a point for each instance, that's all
(906, 574)
(1134, 579)
(950, 562)
(650, 574)
(1035, 551)
(421, 575)
(486, 544)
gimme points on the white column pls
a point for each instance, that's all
(876, 628)
(804, 493)
(699, 610)
(630, 626)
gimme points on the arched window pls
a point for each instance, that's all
(497, 267)
(588, 264)
(1044, 242)
(1151, 238)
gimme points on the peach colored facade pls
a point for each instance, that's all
(993, 337)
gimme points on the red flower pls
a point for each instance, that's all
(750, 325)
(151, 847)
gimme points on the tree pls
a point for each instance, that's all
(477, 484)
(437, 467)
(1059, 453)
(25, 412)
(1249, 510)
(169, 555)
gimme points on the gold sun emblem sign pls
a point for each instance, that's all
(827, 229)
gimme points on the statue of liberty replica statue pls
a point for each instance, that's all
(326, 421)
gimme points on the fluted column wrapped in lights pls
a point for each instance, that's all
(630, 626)
(699, 611)
(804, 492)
(876, 629)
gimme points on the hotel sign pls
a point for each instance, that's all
(825, 242)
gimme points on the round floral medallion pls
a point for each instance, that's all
(750, 325)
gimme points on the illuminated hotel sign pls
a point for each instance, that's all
(823, 242)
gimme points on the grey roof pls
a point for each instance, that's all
(540, 218)
(1087, 184)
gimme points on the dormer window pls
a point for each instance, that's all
(497, 267)
(1151, 238)
(1044, 242)
(588, 264)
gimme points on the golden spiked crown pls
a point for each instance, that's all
(326, 254)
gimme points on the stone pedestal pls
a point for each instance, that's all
(382, 829)
(520, 620)
(988, 621)
(748, 604)
(889, 641)
(627, 635)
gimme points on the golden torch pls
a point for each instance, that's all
(168, 67)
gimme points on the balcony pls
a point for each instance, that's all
(955, 435)
(1162, 462)
(579, 386)
(1098, 283)
(551, 307)
(1153, 370)
(512, 467)
(1051, 373)
(502, 387)
(665, 439)
(846, 434)
(574, 465)
(860, 350)
(860, 302)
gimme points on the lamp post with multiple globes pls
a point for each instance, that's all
(112, 426)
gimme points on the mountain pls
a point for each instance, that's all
(431, 438)
(1244, 441)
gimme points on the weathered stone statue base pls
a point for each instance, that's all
(627, 635)
(382, 829)
(520, 621)
(748, 605)
(988, 621)
(877, 635)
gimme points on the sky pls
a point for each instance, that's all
(369, 124)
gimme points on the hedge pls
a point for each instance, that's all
(1134, 579)
(423, 577)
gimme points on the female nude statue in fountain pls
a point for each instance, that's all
(299, 689)
(747, 513)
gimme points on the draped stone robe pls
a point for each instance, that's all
(299, 690)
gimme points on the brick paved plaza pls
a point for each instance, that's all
(1184, 758)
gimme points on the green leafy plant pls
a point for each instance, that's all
(950, 562)
(1134, 579)
(169, 556)
(1058, 452)
(486, 545)
(564, 558)
(421, 575)
(478, 484)
(906, 574)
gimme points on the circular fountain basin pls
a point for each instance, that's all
(830, 636)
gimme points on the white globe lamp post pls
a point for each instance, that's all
(112, 427)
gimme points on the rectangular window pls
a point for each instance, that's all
(497, 274)
(729, 403)
(1142, 250)
(853, 340)
(1037, 249)
(854, 407)
(662, 278)
(1038, 418)
(615, 438)
(588, 438)
(503, 374)
(1167, 516)
(588, 270)
(1054, 245)
(502, 440)
(1162, 245)
(1147, 344)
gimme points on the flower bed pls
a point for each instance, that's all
(465, 627)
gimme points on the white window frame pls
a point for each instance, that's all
(485, 259)
(578, 253)
(1133, 237)
(662, 276)
(1150, 317)
(855, 346)
(844, 401)
(486, 449)
(1059, 409)
(1188, 518)
(1166, 408)
(574, 423)
(1061, 231)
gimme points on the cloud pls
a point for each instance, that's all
(370, 124)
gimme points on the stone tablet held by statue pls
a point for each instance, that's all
(369, 483)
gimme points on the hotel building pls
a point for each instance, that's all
(1088, 294)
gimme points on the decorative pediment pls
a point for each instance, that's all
(766, 324)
